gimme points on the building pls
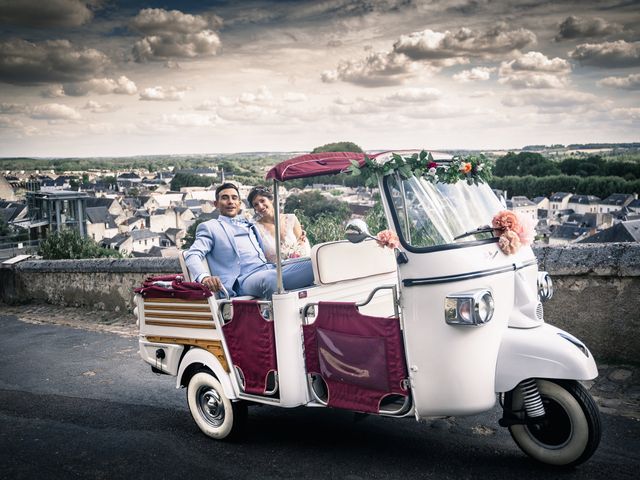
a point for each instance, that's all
(615, 202)
(628, 231)
(568, 233)
(523, 206)
(584, 203)
(557, 202)
(55, 211)
(6, 190)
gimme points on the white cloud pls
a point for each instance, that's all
(102, 86)
(432, 45)
(555, 100)
(630, 82)
(535, 70)
(477, 74)
(414, 95)
(173, 34)
(53, 91)
(96, 107)
(54, 111)
(188, 120)
(158, 93)
(12, 108)
(631, 113)
(375, 70)
(619, 54)
(295, 97)
(6, 122)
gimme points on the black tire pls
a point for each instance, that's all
(570, 432)
(216, 415)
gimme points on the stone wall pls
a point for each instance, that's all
(597, 290)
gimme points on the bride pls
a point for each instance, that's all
(293, 242)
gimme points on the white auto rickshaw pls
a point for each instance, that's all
(442, 325)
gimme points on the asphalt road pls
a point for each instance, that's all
(81, 404)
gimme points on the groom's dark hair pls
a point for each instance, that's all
(225, 186)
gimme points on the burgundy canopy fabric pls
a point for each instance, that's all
(172, 286)
(314, 164)
(252, 345)
(360, 357)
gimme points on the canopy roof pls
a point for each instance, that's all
(328, 163)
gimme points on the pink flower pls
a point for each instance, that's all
(509, 242)
(465, 167)
(505, 220)
(387, 238)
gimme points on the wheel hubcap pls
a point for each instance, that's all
(211, 406)
(556, 429)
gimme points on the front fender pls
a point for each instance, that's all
(541, 352)
(198, 355)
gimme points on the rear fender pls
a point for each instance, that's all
(206, 359)
(541, 352)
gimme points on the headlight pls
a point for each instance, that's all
(545, 286)
(469, 308)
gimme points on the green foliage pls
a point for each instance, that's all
(338, 147)
(190, 236)
(314, 204)
(472, 169)
(525, 163)
(531, 186)
(68, 244)
(375, 218)
(188, 180)
(323, 228)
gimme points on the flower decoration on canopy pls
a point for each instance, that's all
(513, 231)
(473, 169)
(388, 238)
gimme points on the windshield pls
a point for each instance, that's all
(428, 215)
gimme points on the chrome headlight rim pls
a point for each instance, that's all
(473, 308)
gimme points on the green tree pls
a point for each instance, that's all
(190, 236)
(375, 218)
(323, 228)
(338, 147)
(69, 244)
(525, 163)
(188, 180)
(314, 204)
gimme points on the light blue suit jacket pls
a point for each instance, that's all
(215, 242)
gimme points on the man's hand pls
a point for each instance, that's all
(212, 283)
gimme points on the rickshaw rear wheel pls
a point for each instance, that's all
(570, 431)
(214, 413)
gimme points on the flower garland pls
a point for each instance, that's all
(473, 169)
(513, 231)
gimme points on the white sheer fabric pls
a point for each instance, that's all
(289, 247)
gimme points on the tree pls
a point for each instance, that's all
(190, 236)
(338, 147)
(314, 204)
(525, 163)
(69, 244)
(188, 180)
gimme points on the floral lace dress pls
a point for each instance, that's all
(289, 247)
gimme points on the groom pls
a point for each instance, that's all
(233, 250)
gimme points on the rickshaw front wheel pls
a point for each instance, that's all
(216, 415)
(568, 434)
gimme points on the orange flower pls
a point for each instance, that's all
(505, 220)
(509, 242)
(466, 167)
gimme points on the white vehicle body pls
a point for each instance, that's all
(452, 369)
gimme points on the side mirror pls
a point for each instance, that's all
(356, 231)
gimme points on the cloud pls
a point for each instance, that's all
(45, 14)
(577, 27)
(12, 108)
(53, 91)
(535, 70)
(6, 122)
(188, 120)
(95, 107)
(173, 34)
(170, 94)
(630, 82)
(478, 74)
(632, 113)
(294, 97)
(554, 100)
(27, 63)
(375, 70)
(54, 111)
(619, 54)
(431, 45)
(101, 86)
(413, 95)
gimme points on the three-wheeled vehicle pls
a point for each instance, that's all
(440, 326)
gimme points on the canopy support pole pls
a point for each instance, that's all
(276, 214)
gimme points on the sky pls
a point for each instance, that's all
(91, 78)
